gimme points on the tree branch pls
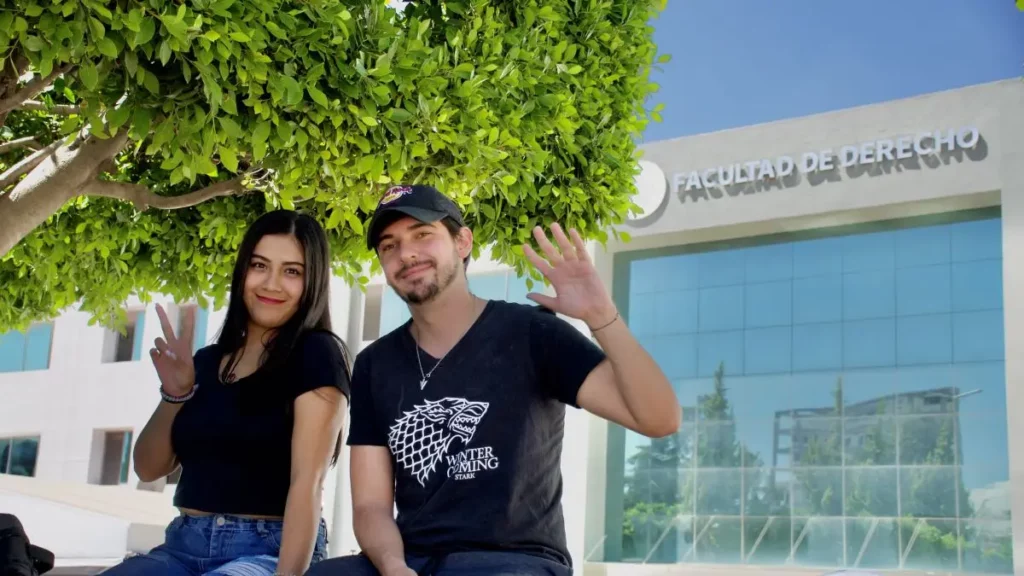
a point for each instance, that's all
(66, 109)
(13, 68)
(26, 142)
(27, 164)
(143, 198)
(19, 65)
(66, 169)
(34, 86)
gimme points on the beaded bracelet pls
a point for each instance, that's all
(178, 399)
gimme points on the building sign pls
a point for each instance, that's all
(849, 156)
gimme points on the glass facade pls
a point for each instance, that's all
(138, 335)
(843, 395)
(18, 455)
(200, 319)
(126, 457)
(21, 351)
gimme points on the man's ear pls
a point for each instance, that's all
(464, 242)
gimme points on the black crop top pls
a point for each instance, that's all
(234, 440)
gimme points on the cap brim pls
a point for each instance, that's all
(383, 217)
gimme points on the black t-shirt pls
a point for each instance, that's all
(476, 454)
(234, 440)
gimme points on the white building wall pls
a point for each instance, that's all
(68, 531)
(78, 395)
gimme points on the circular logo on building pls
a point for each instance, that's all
(651, 189)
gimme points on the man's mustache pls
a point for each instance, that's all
(407, 267)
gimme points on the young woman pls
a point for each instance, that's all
(254, 420)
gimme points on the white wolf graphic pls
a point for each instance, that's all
(421, 437)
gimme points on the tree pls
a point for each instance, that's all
(929, 481)
(866, 442)
(932, 490)
(652, 499)
(719, 492)
(666, 485)
(140, 137)
(815, 469)
(718, 447)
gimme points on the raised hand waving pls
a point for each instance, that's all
(579, 292)
(172, 357)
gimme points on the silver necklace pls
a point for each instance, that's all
(425, 377)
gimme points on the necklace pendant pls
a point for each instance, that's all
(423, 383)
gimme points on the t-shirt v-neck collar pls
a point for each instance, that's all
(407, 334)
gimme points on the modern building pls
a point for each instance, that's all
(826, 294)
(845, 272)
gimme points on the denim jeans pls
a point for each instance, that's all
(216, 545)
(455, 564)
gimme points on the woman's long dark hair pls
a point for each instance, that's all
(314, 311)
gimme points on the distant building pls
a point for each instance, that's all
(798, 429)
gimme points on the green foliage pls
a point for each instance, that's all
(524, 112)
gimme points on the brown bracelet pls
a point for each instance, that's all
(592, 330)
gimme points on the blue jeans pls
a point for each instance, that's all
(455, 564)
(215, 545)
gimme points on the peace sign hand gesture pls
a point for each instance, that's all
(579, 291)
(173, 357)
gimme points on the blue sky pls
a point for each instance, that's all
(742, 62)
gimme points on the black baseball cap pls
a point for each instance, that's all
(419, 201)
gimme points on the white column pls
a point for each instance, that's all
(584, 458)
(597, 445)
(1011, 143)
(576, 439)
(76, 359)
(574, 482)
(346, 317)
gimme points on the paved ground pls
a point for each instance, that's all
(75, 571)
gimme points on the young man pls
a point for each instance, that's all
(457, 415)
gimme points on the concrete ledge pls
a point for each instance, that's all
(144, 537)
(121, 502)
(87, 525)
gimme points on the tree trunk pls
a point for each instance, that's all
(59, 178)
